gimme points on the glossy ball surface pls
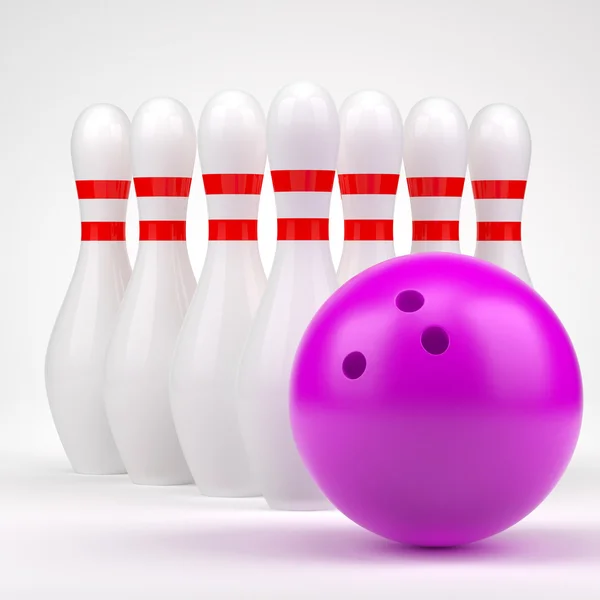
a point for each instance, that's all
(436, 399)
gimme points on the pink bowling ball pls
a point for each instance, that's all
(436, 399)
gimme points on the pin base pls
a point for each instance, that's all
(160, 481)
(99, 472)
(230, 493)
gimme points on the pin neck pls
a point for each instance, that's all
(162, 186)
(102, 231)
(302, 229)
(232, 230)
(96, 189)
(162, 203)
(496, 189)
(419, 187)
(246, 184)
(364, 230)
(499, 231)
(435, 206)
(162, 231)
(103, 208)
(498, 205)
(302, 198)
(368, 204)
(302, 180)
(232, 203)
(368, 183)
(435, 231)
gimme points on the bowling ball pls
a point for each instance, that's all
(436, 399)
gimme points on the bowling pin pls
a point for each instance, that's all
(77, 348)
(302, 146)
(232, 151)
(163, 150)
(368, 170)
(499, 157)
(435, 163)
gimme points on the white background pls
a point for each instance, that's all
(56, 58)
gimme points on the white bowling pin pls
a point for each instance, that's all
(77, 348)
(163, 147)
(499, 157)
(435, 162)
(368, 170)
(302, 145)
(232, 151)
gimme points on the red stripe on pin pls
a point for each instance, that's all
(113, 231)
(492, 190)
(146, 187)
(499, 231)
(102, 189)
(435, 186)
(230, 183)
(302, 181)
(368, 230)
(302, 229)
(435, 231)
(162, 231)
(369, 183)
(231, 230)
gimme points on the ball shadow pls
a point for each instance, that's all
(349, 544)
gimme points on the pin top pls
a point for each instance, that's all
(303, 129)
(100, 144)
(435, 140)
(499, 144)
(232, 135)
(163, 139)
(370, 134)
